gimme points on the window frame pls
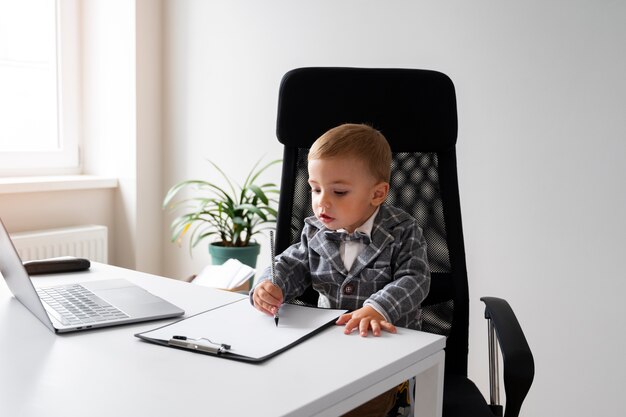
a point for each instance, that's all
(67, 159)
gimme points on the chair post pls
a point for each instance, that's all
(494, 370)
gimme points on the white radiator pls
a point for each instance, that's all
(88, 241)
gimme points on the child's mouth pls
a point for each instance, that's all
(326, 218)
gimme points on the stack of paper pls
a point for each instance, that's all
(231, 274)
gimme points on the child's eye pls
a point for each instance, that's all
(340, 193)
(315, 190)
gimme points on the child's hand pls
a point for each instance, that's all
(267, 298)
(363, 319)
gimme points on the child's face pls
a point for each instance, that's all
(344, 193)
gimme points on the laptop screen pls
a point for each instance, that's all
(17, 278)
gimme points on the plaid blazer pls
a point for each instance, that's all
(391, 273)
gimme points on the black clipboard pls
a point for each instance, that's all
(238, 331)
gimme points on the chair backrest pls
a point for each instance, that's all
(416, 111)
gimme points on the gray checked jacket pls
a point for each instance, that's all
(391, 273)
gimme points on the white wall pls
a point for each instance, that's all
(541, 98)
(108, 96)
(121, 50)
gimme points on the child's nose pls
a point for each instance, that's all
(324, 201)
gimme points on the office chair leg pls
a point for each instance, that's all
(494, 371)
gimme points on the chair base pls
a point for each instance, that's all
(462, 398)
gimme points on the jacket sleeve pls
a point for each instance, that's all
(411, 277)
(292, 269)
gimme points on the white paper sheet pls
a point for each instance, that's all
(249, 332)
(231, 274)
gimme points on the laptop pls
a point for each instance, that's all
(84, 305)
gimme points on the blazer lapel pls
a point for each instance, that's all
(380, 238)
(327, 249)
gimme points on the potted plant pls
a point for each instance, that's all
(232, 215)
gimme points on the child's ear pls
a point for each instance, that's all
(380, 193)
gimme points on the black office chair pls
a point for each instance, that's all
(416, 111)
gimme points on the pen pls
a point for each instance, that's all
(273, 271)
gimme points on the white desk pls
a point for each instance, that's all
(109, 372)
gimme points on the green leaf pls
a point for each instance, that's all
(261, 170)
(228, 181)
(259, 193)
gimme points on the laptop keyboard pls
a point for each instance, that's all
(75, 304)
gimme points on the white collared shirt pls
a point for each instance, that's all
(350, 250)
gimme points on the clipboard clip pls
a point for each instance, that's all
(201, 344)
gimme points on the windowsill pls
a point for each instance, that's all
(13, 185)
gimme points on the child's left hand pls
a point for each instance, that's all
(363, 319)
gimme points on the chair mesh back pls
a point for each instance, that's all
(414, 187)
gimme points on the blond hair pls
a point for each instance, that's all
(358, 141)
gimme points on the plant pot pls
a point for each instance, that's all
(245, 254)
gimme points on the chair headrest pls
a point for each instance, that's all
(414, 109)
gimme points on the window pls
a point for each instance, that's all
(39, 87)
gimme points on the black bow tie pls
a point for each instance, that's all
(348, 237)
